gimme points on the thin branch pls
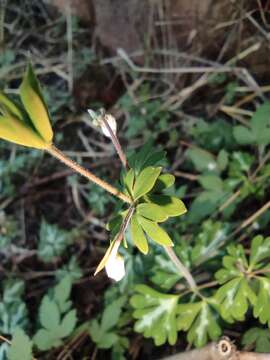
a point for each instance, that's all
(3, 4)
(181, 70)
(88, 174)
(69, 35)
(221, 350)
(254, 216)
(3, 338)
(124, 226)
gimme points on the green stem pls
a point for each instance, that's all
(86, 173)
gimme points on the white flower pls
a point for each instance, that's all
(115, 266)
(98, 120)
(112, 124)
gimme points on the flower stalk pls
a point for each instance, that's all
(183, 271)
(115, 142)
(58, 154)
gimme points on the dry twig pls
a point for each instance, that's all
(221, 350)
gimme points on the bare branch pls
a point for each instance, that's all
(221, 350)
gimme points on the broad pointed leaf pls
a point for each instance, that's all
(14, 130)
(6, 105)
(129, 181)
(169, 204)
(163, 182)
(145, 181)
(152, 212)
(35, 106)
(155, 232)
(138, 236)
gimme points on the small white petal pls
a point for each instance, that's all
(115, 267)
(92, 113)
(211, 166)
(112, 124)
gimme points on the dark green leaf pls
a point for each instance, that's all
(107, 340)
(243, 135)
(111, 314)
(222, 160)
(208, 239)
(165, 274)
(261, 338)
(53, 241)
(211, 182)
(202, 160)
(260, 124)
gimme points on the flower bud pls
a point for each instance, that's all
(115, 267)
(99, 119)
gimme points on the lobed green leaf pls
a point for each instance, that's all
(21, 346)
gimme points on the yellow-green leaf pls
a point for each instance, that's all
(169, 204)
(145, 181)
(152, 212)
(138, 236)
(6, 105)
(164, 181)
(129, 181)
(155, 232)
(14, 130)
(35, 106)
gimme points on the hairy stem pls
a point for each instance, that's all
(183, 271)
(124, 226)
(86, 173)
